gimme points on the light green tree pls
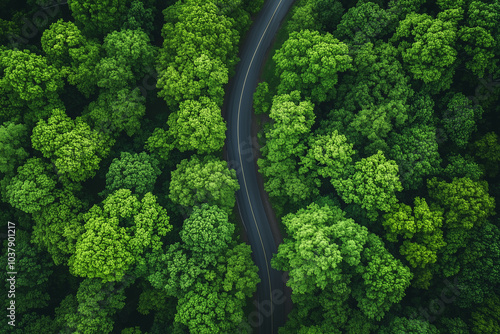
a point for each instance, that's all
(117, 234)
(75, 149)
(310, 62)
(198, 125)
(372, 184)
(208, 180)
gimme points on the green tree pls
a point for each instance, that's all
(60, 41)
(330, 13)
(487, 149)
(194, 28)
(286, 141)
(139, 16)
(82, 73)
(400, 325)
(93, 307)
(198, 125)
(293, 119)
(428, 48)
(421, 231)
(200, 76)
(477, 37)
(330, 259)
(207, 231)
(36, 268)
(385, 280)
(453, 325)
(33, 187)
(460, 118)
(59, 225)
(217, 305)
(478, 270)
(310, 62)
(116, 111)
(466, 203)
(206, 310)
(13, 139)
(262, 98)
(97, 18)
(485, 319)
(30, 85)
(366, 22)
(459, 166)
(377, 92)
(304, 16)
(207, 180)
(372, 184)
(329, 154)
(117, 234)
(415, 151)
(199, 46)
(75, 149)
(131, 48)
(137, 172)
(211, 294)
(159, 144)
(113, 75)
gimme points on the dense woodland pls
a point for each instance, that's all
(380, 152)
(111, 166)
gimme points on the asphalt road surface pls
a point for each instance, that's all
(270, 312)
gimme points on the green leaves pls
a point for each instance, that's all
(210, 274)
(415, 151)
(460, 119)
(117, 234)
(117, 111)
(97, 18)
(325, 252)
(198, 50)
(60, 40)
(285, 143)
(208, 180)
(13, 138)
(207, 231)
(427, 46)
(329, 155)
(33, 187)
(198, 125)
(467, 203)
(485, 319)
(372, 185)
(74, 148)
(137, 172)
(29, 81)
(309, 62)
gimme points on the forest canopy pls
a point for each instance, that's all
(378, 128)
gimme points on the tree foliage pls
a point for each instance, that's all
(198, 125)
(310, 62)
(372, 184)
(208, 180)
(117, 234)
(75, 149)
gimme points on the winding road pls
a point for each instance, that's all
(269, 313)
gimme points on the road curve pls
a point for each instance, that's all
(270, 314)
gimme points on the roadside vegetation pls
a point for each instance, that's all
(381, 160)
(111, 166)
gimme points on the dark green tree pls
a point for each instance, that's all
(310, 62)
(208, 180)
(137, 172)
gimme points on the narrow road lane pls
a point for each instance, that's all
(270, 292)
